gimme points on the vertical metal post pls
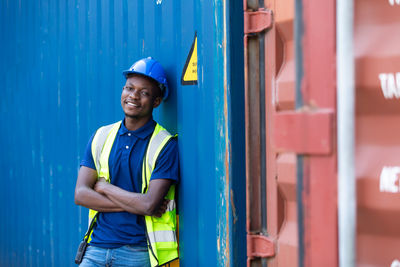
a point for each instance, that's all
(298, 36)
(345, 109)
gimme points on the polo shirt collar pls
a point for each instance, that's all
(142, 132)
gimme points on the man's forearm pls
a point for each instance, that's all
(131, 202)
(91, 199)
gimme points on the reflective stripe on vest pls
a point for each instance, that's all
(171, 205)
(102, 142)
(162, 236)
(161, 232)
(156, 144)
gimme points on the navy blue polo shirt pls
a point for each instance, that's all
(115, 229)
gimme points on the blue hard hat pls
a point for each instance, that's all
(150, 68)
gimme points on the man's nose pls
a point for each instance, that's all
(134, 94)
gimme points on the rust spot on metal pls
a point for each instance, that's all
(226, 163)
(233, 209)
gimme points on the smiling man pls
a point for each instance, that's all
(127, 179)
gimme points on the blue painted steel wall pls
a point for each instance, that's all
(60, 78)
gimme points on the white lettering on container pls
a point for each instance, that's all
(392, 3)
(390, 84)
(395, 263)
(389, 180)
(159, 2)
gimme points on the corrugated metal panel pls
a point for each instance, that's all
(61, 78)
(318, 90)
(377, 126)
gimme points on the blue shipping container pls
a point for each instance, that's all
(60, 77)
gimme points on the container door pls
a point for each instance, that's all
(377, 26)
(271, 176)
(290, 136)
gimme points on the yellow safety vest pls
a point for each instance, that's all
(160, 232)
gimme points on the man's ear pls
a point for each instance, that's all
(157, 101)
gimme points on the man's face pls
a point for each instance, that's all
(139, 96)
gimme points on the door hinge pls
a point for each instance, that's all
(257, 21)
(260, 246)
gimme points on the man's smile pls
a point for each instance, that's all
(131, 103)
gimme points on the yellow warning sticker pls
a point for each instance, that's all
(189, 73)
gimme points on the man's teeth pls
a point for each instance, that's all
(131, 104)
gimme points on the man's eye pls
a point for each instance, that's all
(144, 93)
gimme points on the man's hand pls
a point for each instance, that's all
(100, 185)
(161, 210)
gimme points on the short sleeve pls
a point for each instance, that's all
(167, 164)
(87, 159)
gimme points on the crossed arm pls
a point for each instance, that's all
(104, 197)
